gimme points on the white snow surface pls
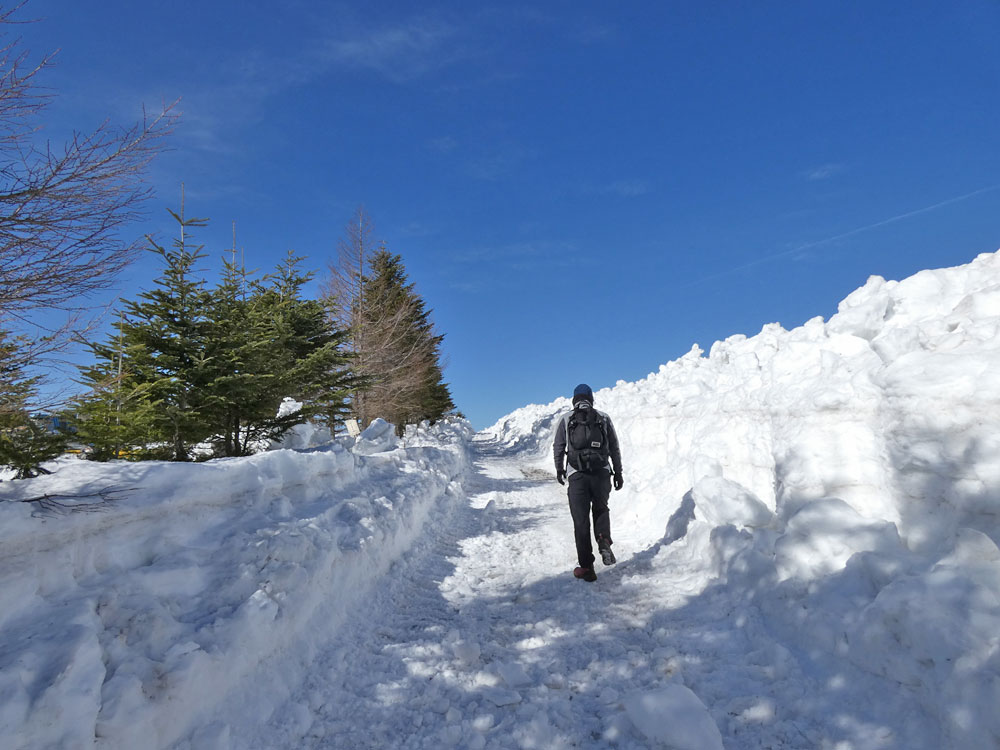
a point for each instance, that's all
(807, 558)
(126, 625)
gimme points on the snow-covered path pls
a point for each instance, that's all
(481, 637)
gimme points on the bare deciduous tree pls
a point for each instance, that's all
(62, 207)
(396, 352)
(342, 288)
(392, 340)
(62, 211)
(342, 291)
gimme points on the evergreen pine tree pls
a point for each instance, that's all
(309, 361)
(436, 401)
(238, 375)
(117, 416)
(265, 342)
(165, 330)
(25, 442)
(189, 365)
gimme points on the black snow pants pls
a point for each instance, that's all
(588, 493)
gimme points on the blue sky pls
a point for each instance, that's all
(579, 191)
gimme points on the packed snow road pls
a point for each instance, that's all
(480, 637)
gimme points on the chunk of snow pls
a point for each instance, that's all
(674, 716)
(822, 535)
(720, 501)
(500, 697)
(378, 437)
(514, 675)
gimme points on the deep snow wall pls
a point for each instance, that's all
(126, 625)
(892, 406)
(842, 480)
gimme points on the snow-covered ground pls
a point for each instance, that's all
(124, 624)
(807, 545)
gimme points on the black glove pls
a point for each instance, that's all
(619, 481)
(561, 476)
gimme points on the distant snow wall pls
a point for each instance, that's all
(892, 405)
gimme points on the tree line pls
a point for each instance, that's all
(191, 370)
(188, 370)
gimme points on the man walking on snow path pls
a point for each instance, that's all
(586, 439)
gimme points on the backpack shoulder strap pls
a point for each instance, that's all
(602, 421)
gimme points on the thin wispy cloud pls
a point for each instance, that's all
(588, 32)
(405, 50)
(621, 188)
(825, 172)
(443, 145)
(627, 188)
(246, 79)
(237, 93)
(399, 53)
(799, 249)
(505, 266)
(203, 131)
(467, 287)
(521, 255)
(502, 162)
(417, 229)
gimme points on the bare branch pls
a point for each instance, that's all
(63, 209)
(61, 213)
(59, 504)
(342, 287)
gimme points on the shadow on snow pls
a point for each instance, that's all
(433, 675)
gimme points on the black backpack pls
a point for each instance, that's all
(587, 440)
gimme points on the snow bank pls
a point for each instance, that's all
(301, 436)
(842, 477)
(128, 623)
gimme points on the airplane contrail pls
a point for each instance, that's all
(900, 217)
(850, 233)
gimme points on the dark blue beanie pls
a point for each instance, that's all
(583, 393)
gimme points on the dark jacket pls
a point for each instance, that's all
(559, 444)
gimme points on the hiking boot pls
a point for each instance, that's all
(586, 574)
(607, 556)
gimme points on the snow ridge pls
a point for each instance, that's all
(126, 625)
(844, 478)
